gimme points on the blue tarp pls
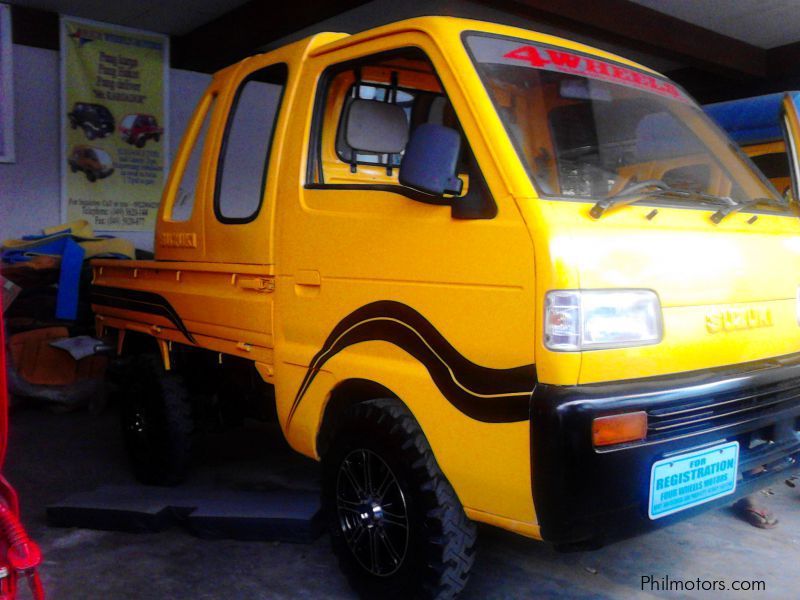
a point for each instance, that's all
(72, 255)
(751, 120)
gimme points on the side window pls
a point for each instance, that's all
(366, 113)
(185, 196)
(244, 157)
(367, 110)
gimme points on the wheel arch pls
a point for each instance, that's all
(345, 394)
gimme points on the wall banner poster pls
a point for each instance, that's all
(114, 124)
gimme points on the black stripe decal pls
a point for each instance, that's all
(140, 301)
(482, 393)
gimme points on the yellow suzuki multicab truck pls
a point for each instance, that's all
(767, 128)
(462, 262)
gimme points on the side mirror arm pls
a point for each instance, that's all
(454, 186)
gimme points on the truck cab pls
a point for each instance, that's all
(482, 274)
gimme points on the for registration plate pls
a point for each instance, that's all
(686, 480)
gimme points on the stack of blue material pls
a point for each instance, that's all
(73, 242)
(752, 120)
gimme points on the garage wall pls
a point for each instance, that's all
(30, 189)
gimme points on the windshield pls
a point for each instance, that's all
(590, 129)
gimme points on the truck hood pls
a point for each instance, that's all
(728, 292)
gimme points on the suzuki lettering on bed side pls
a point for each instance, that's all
(492, 50)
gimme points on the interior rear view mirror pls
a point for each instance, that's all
(582, 89)
(430, 162)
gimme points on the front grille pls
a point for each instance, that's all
(720, 412)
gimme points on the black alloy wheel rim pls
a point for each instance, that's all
(137, 424)
(372, 512)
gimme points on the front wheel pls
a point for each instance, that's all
(396, 523)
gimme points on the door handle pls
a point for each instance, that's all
(259, 284)
(308, 278)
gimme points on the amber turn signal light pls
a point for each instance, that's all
(616, 429)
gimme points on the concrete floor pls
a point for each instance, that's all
(53, 455)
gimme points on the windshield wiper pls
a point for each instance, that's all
(724, 200)
(734, 208)
(634, 194)
(629, 195)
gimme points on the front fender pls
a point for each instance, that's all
(488, 463)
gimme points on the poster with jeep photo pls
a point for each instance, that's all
(114, 142)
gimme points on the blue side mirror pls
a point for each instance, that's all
(430, 162)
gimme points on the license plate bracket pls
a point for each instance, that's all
(686, 480)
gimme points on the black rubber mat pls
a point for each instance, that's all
(275, 515)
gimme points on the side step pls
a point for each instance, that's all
(276, 515)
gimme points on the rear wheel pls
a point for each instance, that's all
(90, 134)
(140, 142)
(396, 524)
(157, 423)
(91, 176)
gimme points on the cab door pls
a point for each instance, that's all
(358, 250)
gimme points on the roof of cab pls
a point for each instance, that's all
(441, 27)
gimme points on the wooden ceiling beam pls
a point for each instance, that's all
(256, 23)
(641, 28)
(783, 61)
(243, 30)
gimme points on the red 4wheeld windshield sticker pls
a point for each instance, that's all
(493, 50)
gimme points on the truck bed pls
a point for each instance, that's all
(221, 307)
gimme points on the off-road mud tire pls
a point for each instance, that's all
(157, 422)
(440, 548)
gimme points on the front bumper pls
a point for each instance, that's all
(589, 496)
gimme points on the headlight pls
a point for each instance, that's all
(593, 319)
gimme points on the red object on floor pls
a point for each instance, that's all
(19, 555)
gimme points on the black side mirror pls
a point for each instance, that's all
(430, 162)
